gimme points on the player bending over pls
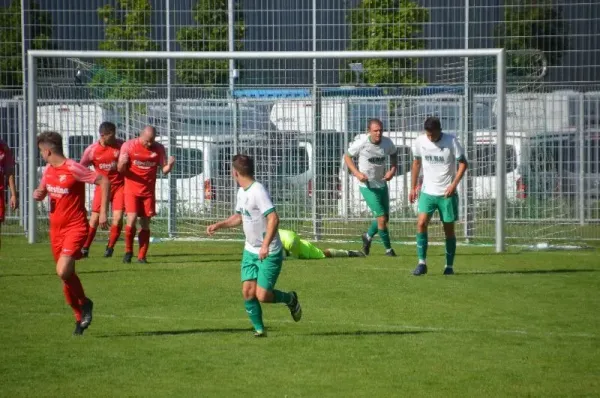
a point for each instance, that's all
(438, 154)
(64, 182)
(263, 254)
(372, 150)
(7, 170)
(296, 247)
(139, 161)
(103, 155)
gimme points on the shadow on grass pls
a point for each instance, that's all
(180, 332)
(189, 254)
(530, 271)
(370, 333)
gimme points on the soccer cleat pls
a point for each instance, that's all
(366, 244)
(260, 333)
(85, 252)
(78, 329)
(127, 257)
(448, 271)
(142, 261)
(108, 252)
(420, 270)
(86, 314)
(355, 253)
(390, 253)
(295, 308)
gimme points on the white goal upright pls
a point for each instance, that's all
(33, 103)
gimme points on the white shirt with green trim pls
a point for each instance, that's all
(438, 161)
(254, 204)
(372, 158)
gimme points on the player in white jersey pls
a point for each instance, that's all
(372, 150)
(437, 154)
(263, 254)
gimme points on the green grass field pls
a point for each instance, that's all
(516, 324)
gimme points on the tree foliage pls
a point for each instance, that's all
(387, 25)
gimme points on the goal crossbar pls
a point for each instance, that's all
(498, 53)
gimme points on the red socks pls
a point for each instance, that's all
(74, 294)
(129, 236)
(115, 232)
(90, 237)
(144, 241)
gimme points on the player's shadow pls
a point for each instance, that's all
(370, 333)
(152, 333)
(218, 260)
(189, 255)
(529, 271)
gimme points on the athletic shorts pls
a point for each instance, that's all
(305, 250)
(116, 199)
(68, 240)
(447, 207)
(143, 206)
(265, 272)
(2, 207)
(378, 200)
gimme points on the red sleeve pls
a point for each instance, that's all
(162, 154)
(88, 156)
(82, 173)
(124, 152)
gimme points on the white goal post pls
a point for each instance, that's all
(499, 54)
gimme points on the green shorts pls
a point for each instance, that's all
(447, 207)
(265, 272)
(378, 200)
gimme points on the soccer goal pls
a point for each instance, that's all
(296, 134)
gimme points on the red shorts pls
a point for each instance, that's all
(68, 240)
(143, 206)
(116, 199)
(2, 207)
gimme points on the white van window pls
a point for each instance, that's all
(485, 160)
(77, 144)
(189, 162)
(298, 161)
(405, 159)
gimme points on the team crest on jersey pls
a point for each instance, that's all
(115, 153)
(153, 155)
(62, 178)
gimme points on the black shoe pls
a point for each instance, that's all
(127, 257)
(366, 244)
(390, 253)
(355, 253)
(295, 308)
(420, 270)
(142, 261)
(78, 329)
(85, 252)
(448, 271)
(86, 314)
(108, 252)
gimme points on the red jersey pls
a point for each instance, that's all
(65, 185)
(7, 163)
(104, 159)
(140, 179)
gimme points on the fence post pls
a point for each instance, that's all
(22, 164)
(581, 163)
(32, 148)
(501, 152)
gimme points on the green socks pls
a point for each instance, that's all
(450, 251)
(422, 246)
(282, 297)
(255, 314)
(372, 229)
(385, 238)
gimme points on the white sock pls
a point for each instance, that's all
(422, 262)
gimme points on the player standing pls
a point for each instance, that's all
(139, 160)
(64, 182)
(103, 155)
(438, 154)
(263, 255)
(372, 150)
(7, 171)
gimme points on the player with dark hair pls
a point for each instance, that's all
(139, 161)
(263, 255)
(372, 150)
(7, 171)
(103, 155)
(437, 154)
(64, 182)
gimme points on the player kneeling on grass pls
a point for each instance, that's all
(64, 182)
(438, 154)
(103, 155)
(263, 254)
(296, 247)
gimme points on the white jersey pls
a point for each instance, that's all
(372, 158)
(254, 204)
(439, 162)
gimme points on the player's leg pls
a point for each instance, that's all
(131, 211)
(249, 273)
(1, 215)
(371, 201)
(92, 228)
(118, 206)
(383, 220)
(448, 209)
(144, 239)
(426, 207)
(329, 253)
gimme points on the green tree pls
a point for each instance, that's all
(531, 25)
(127, 29)
(39, 32)
(387, 25)
(210, 34)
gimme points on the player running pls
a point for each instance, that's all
(296, 247)
(438, 154)
(372, 150)
(103, 155)
(64, 181)
(263, 255)
(7, 171)
(139, 161)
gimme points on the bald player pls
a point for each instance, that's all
(297, 247)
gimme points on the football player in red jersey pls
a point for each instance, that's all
(64, 182)
(103, 155)
(7, 171)
(139, 161)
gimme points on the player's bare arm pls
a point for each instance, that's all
(391, 173)
(14, 202)
(166, 169)
(40, 192)
(414, 178)
(123, 163)
(354, 170)
(272, 225)
(233, 221)
(104, 184)
(462, 169)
